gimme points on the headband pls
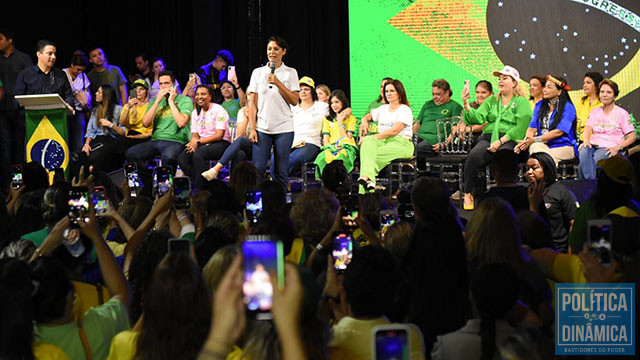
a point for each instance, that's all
(561, 84)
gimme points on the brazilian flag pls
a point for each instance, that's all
(46, 132)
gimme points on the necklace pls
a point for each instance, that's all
(554, 102)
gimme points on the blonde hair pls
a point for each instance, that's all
(217, 265)
(397, 239)
(517, 90)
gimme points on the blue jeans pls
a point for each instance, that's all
(297, 157)
(589, 158)
(169, 150)
(281, 144)
(239, 150)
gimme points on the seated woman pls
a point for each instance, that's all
(240, 149)
(373, 128)
(607, 132)
(131, 119)
(337, 135)
(103, 128)
(307, 125)
(506, 114)
(234, 97)
(536, 83)
(393, 140)
(590, 101)
(210, 136)
(553, 125)
(558, 202)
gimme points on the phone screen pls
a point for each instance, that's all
(162, 180)
(78, 204)
(350, 208)
(178, 245)
(16, 177)
(253, 204)
(342, 251)
(231, 72)
(391, 344)
(262, 259)
(133, 180)
(99, 198)
(600, 240)
(181, 193)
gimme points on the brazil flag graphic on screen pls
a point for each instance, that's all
(423, 40)
(46, 143)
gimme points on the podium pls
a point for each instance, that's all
(46, 131)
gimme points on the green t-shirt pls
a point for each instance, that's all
(431, 112)
(165, 127)
(232, 107)
(100, 324)
(512, 119)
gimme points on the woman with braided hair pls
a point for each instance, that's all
(552, 129)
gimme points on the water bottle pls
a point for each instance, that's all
(71, 240)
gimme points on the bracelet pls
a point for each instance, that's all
(538, 139)
(182, 216)
(319, 246)
(237, 87)
(111, 126)
(621, 147)
(501, 143)
(212, 354)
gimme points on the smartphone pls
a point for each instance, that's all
(181, 193)
(342, 251)
(162, 180)
(100, 200)
(178, 245)
(391, 342)
(133, 94)
(78, 204)
(350, 207)
(262, 259)
(16, 177)
(406, 212)
(192, 76)
(253, 205)
(231, 72)
(467, 86)
(133, 180)
(387, 218)
(599, 238)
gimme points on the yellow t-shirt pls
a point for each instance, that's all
(135, 122)
(583, 109)
(332, 129)
(44, 351)
(87, 296)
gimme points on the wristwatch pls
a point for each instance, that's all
(198, 143)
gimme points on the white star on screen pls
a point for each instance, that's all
(606, 56)
(532, 56)
(586, 10)
(589, 66)
(606, 63)
(575, 33)
(500, 3)
(606, 71)
(621, 53)
(623, 40)
(534, 19)
(523, 42)
(506, 35)
(565, 49)
(520, 49)
(597, 59)
(557, 34)
(626, 47)
(565, 27)
(497, 42)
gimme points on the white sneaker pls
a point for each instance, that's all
(210, 174)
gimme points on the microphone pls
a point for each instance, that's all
(272, 65)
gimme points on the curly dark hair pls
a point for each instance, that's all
(313, 214)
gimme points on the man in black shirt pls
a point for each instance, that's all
(43, 78)
(215, 72)
(12, 62)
